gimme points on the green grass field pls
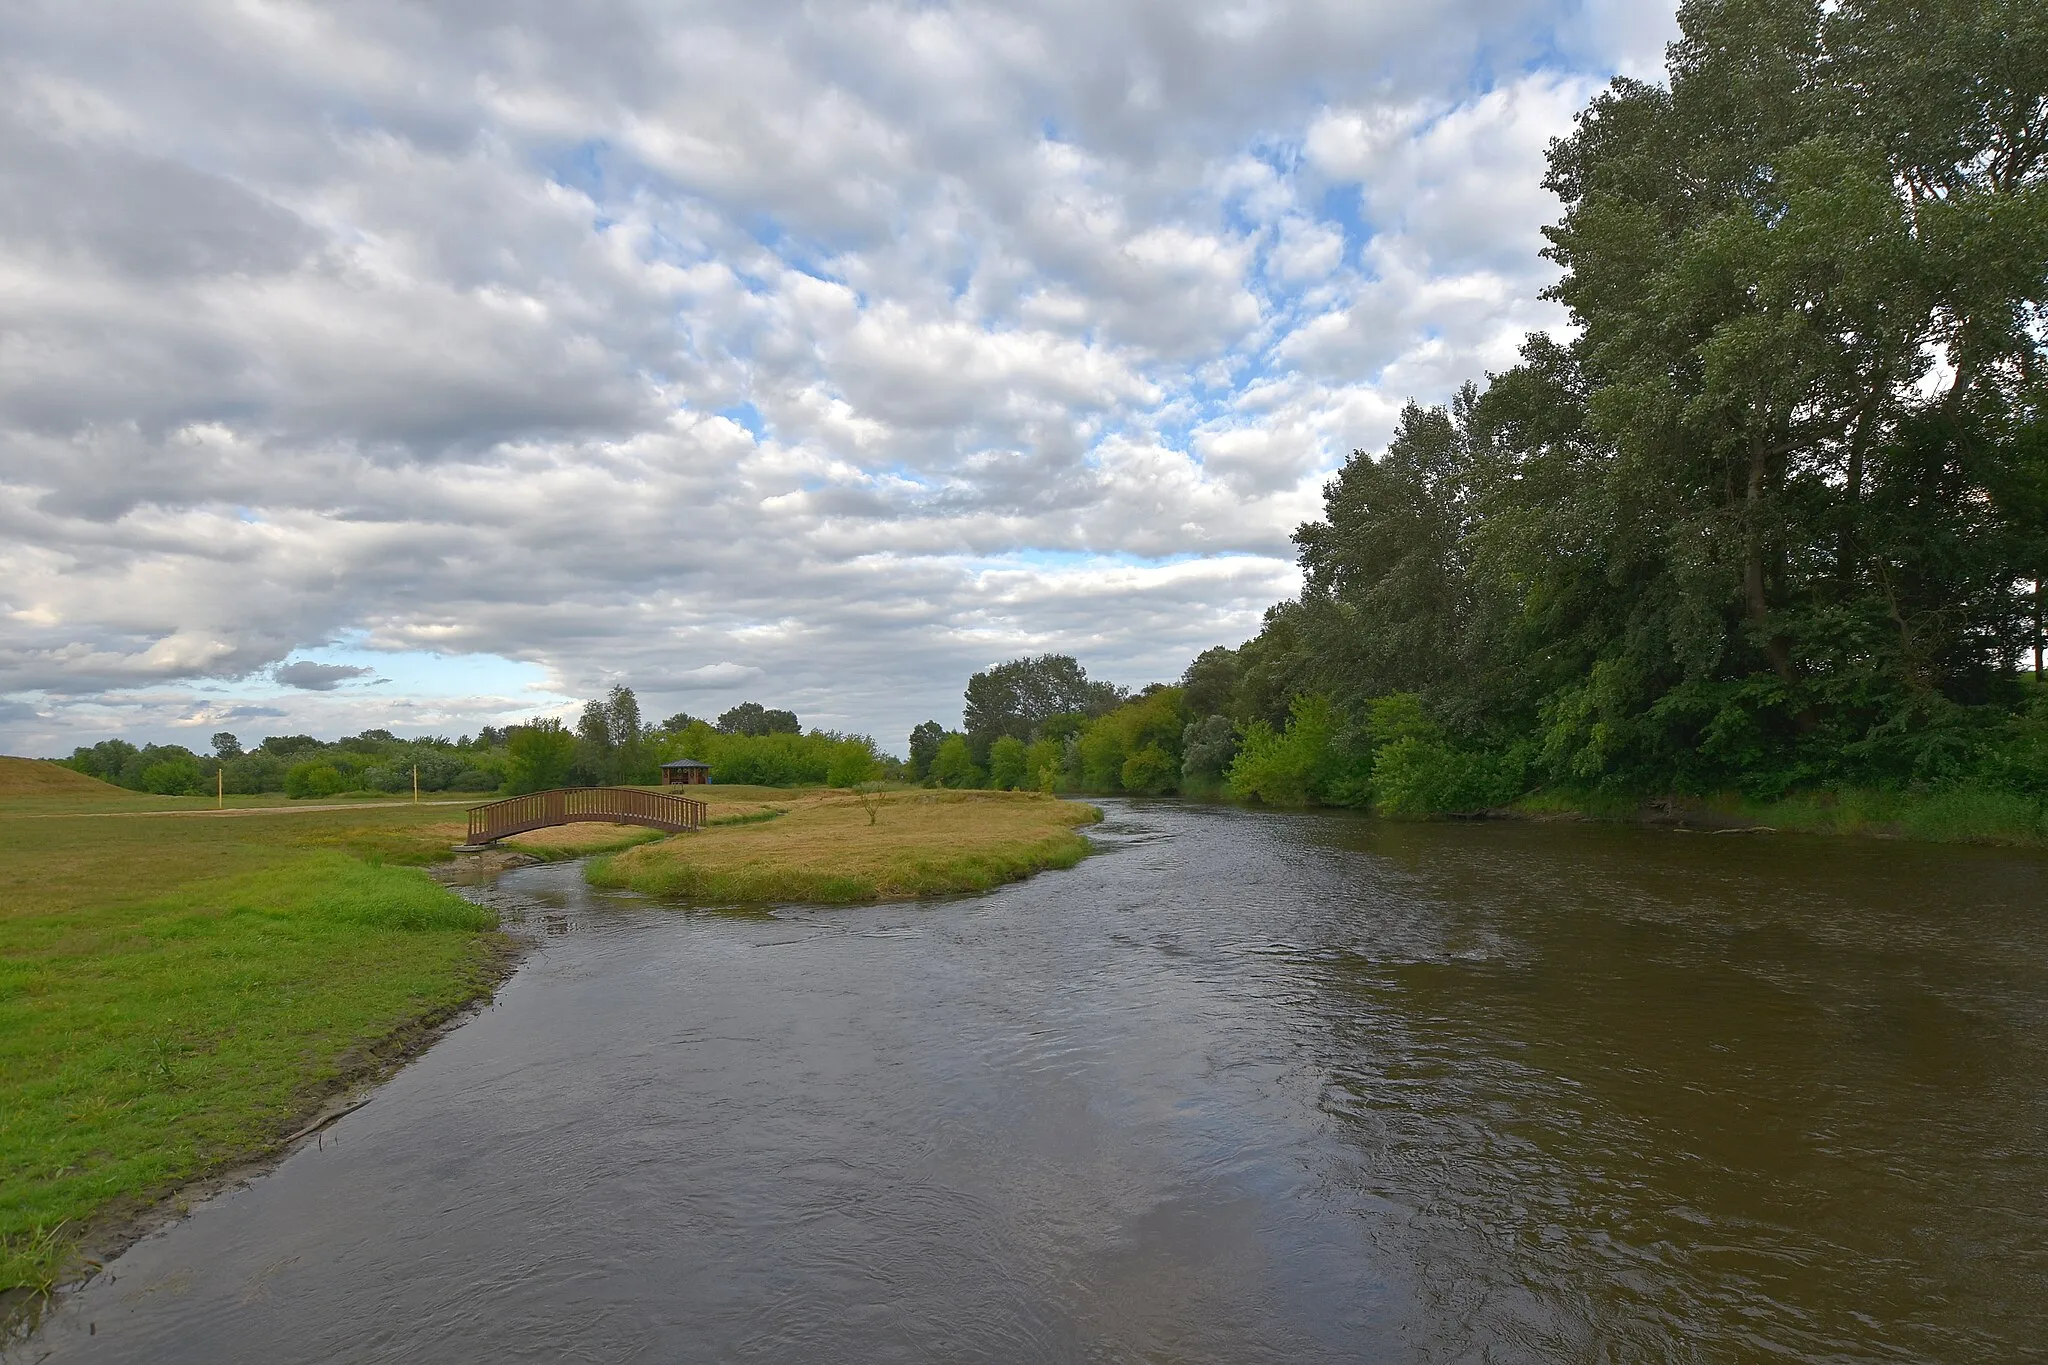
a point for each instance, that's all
(178, 990)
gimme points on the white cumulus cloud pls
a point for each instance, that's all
(813, 355)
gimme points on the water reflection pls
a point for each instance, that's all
(1247, 1087)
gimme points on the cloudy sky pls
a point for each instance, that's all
(429, 366)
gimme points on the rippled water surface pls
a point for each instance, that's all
(1244, 1087)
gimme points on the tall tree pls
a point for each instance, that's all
(924, 747)
(752, 718)
(1017, 697)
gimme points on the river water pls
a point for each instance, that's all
(1244, 1087)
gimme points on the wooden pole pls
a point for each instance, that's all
(220, 788)
(415, 784)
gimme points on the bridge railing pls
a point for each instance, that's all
(571, 805)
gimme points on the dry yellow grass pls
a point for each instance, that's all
(740, 804)
(824, 849)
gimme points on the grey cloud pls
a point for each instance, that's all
(1019, 292)
(316, 677)
(722, 674)
(145, 216)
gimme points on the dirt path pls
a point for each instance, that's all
(244, 810)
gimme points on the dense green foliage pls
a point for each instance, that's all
(610, 745)
(750, 745)
(300, 765)
(776, 759)
(1777, 517)
(538, 756)
(1015, 699)
(1105, 741)
(752, 718)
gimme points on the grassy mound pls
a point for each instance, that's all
(825, 849)
(39, 777)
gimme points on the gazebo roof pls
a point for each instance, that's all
(685, 763)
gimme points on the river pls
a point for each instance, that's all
(1243, 1087)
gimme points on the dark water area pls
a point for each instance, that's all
(1244, 1087)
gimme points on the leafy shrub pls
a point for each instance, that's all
(1208, 747)
(253, 773)
(1044, 764)
(853, 763)
(772, 759)
(954, 765)
(538, 756)
(175, 776)
(312, 779)
(1294, 767)
(1006, 763)
(106, 760)
(1429, 777)
(1101, 752)
(1148, 771)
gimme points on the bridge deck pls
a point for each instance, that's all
(571, 805)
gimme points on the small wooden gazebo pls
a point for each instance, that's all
(685, 772)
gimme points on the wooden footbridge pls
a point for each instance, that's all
(574, 805)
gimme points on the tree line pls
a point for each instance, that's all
(608, 745)
(749, 744)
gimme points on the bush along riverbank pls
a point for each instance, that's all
(847, 847)
(1918, 767)
(1976, 779)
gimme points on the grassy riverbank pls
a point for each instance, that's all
(823, 847)
(179, 989)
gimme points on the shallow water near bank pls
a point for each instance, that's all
(1245, 1086)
